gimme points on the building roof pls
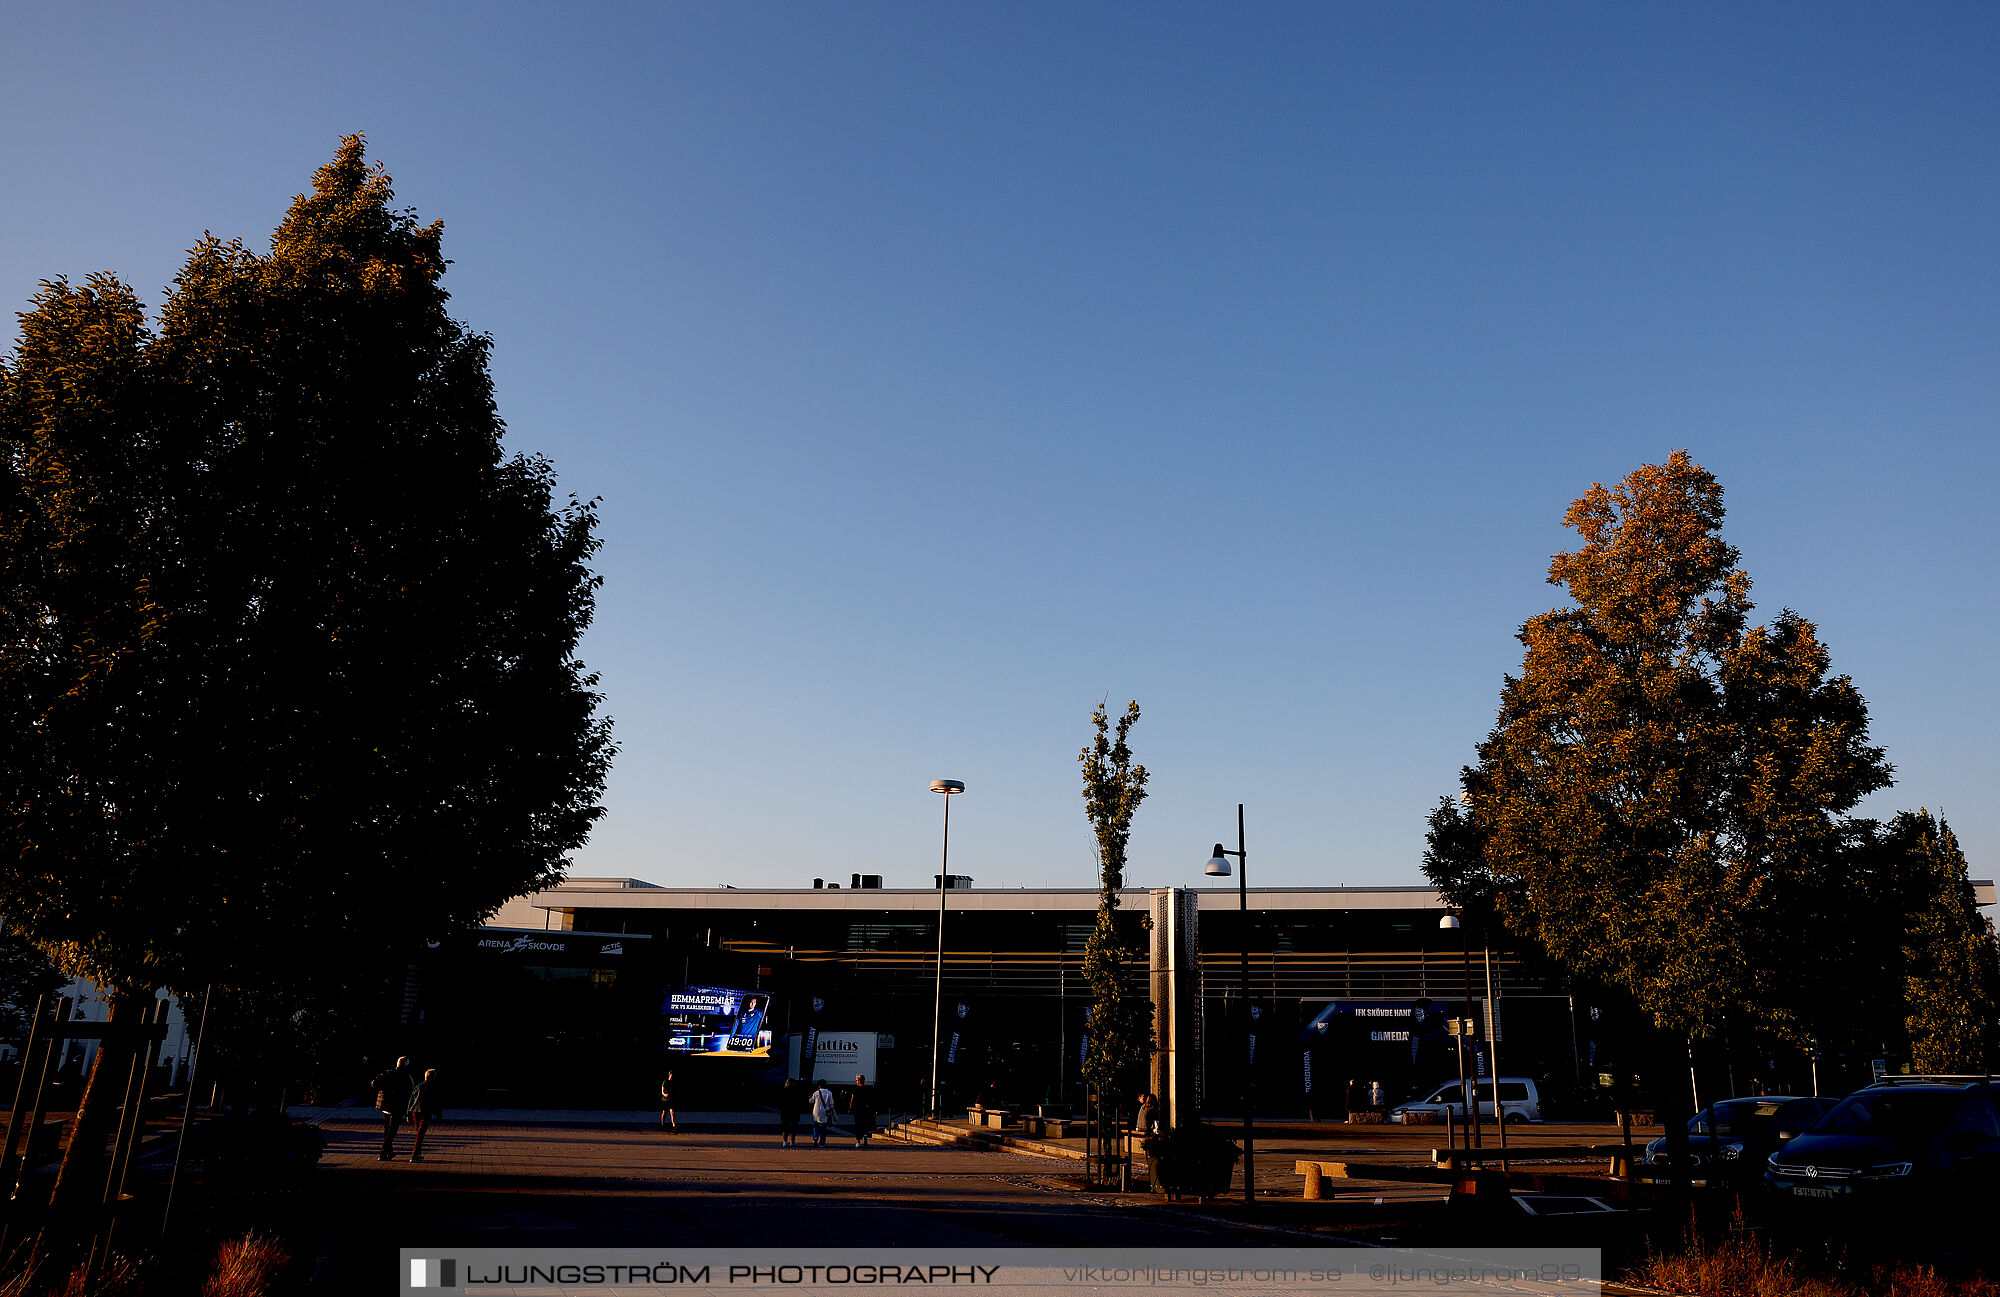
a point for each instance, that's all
(599, 894)
(637, 894)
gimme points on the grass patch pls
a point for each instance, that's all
(1743, 1267)
(246, 1267)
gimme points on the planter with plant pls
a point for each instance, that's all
(1196, 1160)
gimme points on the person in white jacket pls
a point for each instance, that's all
(822, 1112)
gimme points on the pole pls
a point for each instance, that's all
(65, 1005)
(1471, 1086)
(131, 1128)
(1249, 1027)
(937, 1001)
(187, 1109)
(37, 1037)
(1493, 1050)
(1062, 1033)
(1459, 1039)
(1575, 1052)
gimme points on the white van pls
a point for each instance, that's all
(1518, 1096)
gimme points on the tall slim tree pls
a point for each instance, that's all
(287, 641)
(1950, 964)
(1121, 1023)
(1660, 803)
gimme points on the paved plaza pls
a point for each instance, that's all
(569, 1185)
(565, 1180)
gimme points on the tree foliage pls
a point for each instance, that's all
(1660, 803)
(286, 640)
(1121, 1023)
(25, 976)
(1950, 964)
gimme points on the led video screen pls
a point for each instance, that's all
(716, 1020)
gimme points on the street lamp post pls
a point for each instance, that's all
(1450, 922)
(1218, 867)
(1469, 1091)
(946, 787)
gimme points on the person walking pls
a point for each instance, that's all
(668, 1121)
(822, 1112)
(424, 1109)
(392, 1100)
(861, 1106)
(1356, 1098)
(1149, 1115)
(791, 1103)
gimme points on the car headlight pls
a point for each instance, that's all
(1729, 1152)
(1886, 1170)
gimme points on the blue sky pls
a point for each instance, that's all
(946, 369)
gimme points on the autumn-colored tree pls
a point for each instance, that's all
(1121, 1023)
(1950, 964)
(287, 672)
(1660, 803)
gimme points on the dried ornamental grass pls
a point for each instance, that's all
(246, 1267)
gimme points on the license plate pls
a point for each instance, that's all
(1815, 1191)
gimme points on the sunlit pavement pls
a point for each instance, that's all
(490, 1185)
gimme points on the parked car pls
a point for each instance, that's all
(1728, 1141)
(1917, 1141)
(1518, 1096)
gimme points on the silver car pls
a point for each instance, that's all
(1518, 1095)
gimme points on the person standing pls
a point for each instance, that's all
(1356, 1097)
(791, 1103)
(668, 1122)
(861, 1106)
(424, 1109)
(392, 1100)
(1149, 1115)
(822, 1112)
(1376, 1100)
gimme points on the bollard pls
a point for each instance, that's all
(1315, 1189)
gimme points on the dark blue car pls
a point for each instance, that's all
(1922, 1143)
(1728, 1141)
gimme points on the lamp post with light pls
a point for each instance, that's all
(947, 787)
(1450, 923)
(1218, 867)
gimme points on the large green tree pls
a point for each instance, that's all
(1121, 1023)
(287, 640)
(1660, 805)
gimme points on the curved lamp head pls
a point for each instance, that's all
(1449, 922)
(947, 786)
(1218, 865)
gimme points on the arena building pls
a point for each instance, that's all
(588, 992)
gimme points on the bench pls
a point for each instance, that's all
(1056, 1127)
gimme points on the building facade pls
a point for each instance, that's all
(564, 997)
